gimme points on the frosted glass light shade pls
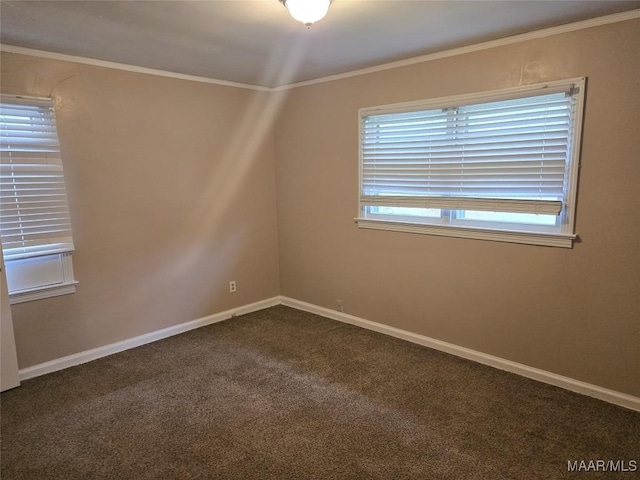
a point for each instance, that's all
(307, 11)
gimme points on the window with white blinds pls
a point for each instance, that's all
(34, 213)
(35, 225)
(502, 163)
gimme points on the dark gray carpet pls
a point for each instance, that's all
(283, 394)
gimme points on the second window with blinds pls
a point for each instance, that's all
(500, 165)
(35, 225)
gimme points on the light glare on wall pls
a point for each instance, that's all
(307, 11)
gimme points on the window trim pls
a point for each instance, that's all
(564, 238)
(509, 236)
(42, 292)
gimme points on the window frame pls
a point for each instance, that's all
(563, 236)
(66, 286)
(34, 286)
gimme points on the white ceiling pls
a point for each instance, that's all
(256, 41)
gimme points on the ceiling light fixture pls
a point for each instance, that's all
(307, 11)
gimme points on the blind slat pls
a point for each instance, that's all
(546, 207)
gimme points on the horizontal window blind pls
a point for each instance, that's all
(34, 215)
(509, 156)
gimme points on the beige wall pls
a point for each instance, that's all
(172, 194)
(172, 187)
(572, 312)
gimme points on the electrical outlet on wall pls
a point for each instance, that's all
(340, 306)
(232, 286)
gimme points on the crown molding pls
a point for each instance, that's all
(537, 34)
(523, 37)
(128, 68)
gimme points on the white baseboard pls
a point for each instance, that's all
(611, 396)
(94, 354)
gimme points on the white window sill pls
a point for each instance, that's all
(510, 236)
(42, 292)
